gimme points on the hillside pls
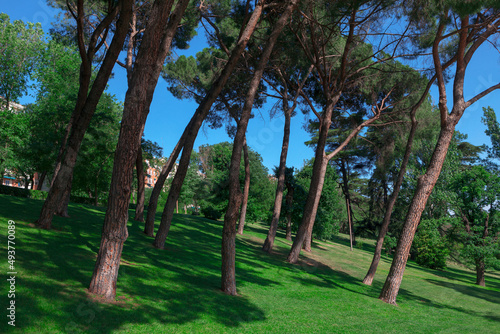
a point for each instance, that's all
(176, 290)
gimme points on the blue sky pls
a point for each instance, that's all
(169, 116)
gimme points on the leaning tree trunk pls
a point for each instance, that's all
(392, 201)
(192, 131)
(62, 208)
(246, 188)
(289, 208)
(139, 208)
(165, 171)
(155, 46)
(85, 107)
(278, 199)
(425, 184)
(228, 249)
(316, 185)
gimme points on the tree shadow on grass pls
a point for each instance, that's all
(461, 275)
(492, 296)
(178, 285)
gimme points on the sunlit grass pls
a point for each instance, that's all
(176, 290)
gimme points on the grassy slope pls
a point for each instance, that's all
(176, 290)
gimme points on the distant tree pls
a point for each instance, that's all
(214, 163)
(147, 151)
(330, 212)
(477, 207)
(191, 131)
(92, 174)
(493, 131)
(20, 47)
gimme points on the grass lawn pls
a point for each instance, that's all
(176, 290)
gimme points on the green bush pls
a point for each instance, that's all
(21, 192)
(430, 247)
(211, 213)
(390, 244)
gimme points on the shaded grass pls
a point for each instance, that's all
(176, 290)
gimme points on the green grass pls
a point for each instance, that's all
(176, 290)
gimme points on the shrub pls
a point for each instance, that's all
(21, 192)
(211, 213)
(430, 247)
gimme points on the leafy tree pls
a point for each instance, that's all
(477, 208)
(20, 46)
(444, 31)
(214, 163)
(330, 212)
(351, 76)
(493, 131)
(92, 175)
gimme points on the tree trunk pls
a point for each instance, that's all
(425, 184)
(246, 188)
(192, 131)
(41, 180)
(289, 202)
(392, 200)
(271, 235)
(62, 208)
(316, 184)
(347, 195)
(228, 284)
(480, 269)
(85, 107)
(165, 171)
(155, 45)
(185, 209)
(139, 208)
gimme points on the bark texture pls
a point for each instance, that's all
(228, 251)
(315, 187)
(246, 189)
(424, 188)
(155, 45)
(480, 270)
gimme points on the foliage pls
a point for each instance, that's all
(214, 161)
(20, 45)
(20, 192)
(492, 163)
(92, 173)
(210, 212)
(477, 206)
(330, 212)
(430, 246)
